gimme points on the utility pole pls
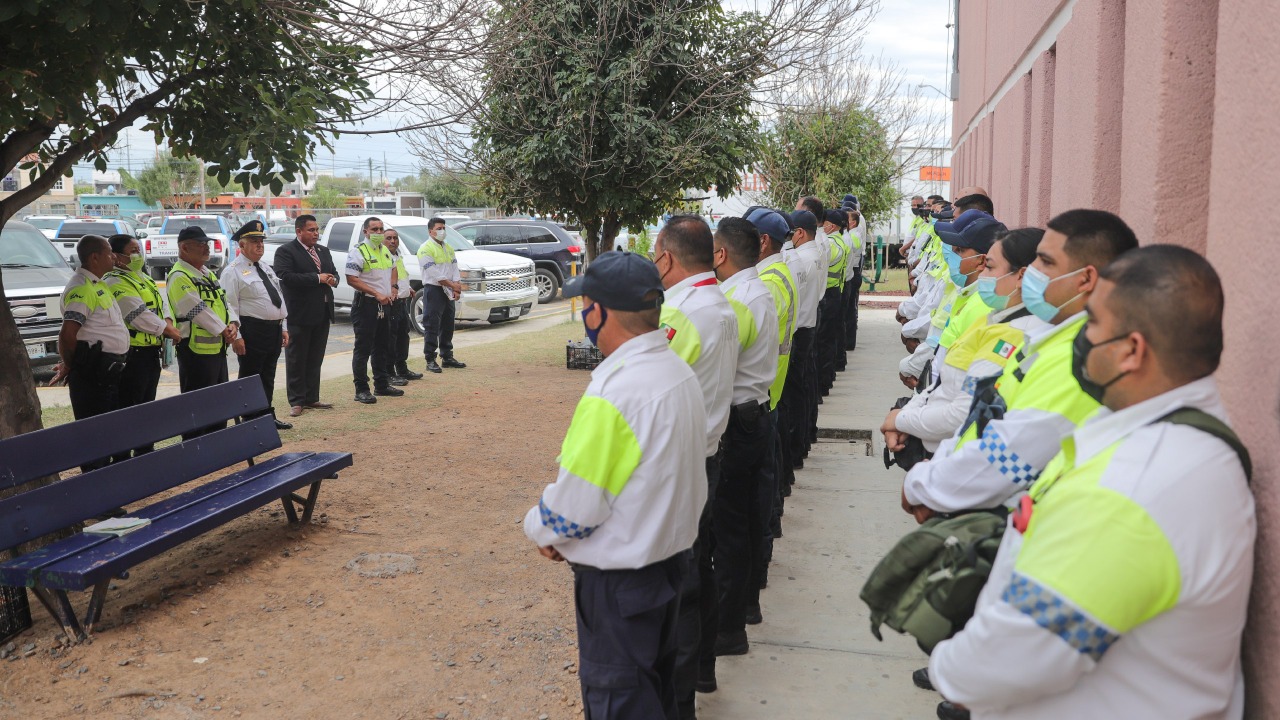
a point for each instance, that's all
(202, 205)
(371, 195)
(384, 171)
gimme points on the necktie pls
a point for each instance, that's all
(315, 257)
(271, 288)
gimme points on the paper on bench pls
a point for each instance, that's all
(118, 526)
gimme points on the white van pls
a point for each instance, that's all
(496, 286)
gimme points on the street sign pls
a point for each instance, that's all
(934, 173)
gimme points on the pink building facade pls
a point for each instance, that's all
(1166, 112)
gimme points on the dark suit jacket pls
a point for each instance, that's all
(310, 302)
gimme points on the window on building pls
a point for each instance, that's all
(10, 182)
(59, 185)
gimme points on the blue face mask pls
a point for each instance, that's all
(987, 291)
(953, 265)
(593, 334)
(1034, 285)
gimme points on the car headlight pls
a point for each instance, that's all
(472, 275)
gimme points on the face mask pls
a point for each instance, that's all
(375, 238)
(1080, 350)
(136, 262)
(987, 291)
(953, 265)
(1034, 284)
(438, 234)
(593, 334)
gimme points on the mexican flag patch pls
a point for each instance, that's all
(1004, 349)
(670, 331)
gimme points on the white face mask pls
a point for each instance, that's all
(438, 234)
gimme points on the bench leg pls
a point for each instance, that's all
(307, 504)
(289, 512)
(56, 602)
(310, 505)
(94, 611)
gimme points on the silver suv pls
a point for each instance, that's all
(34, 277)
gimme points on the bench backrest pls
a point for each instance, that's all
(33, 455)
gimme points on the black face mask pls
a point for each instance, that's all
(1080, 350)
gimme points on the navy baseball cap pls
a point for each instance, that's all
(193, 232)
(618, 280)
(770, 222)
(850, 200)
(837, 218)
(973, 229)
(804, 220)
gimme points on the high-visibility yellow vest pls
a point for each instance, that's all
(782, 285)
(839, 255)
(180, 283)
(144, 288)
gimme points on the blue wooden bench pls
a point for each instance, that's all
(86, 560)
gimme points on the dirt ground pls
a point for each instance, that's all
(261, 619)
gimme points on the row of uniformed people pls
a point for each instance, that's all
(1079, 399)
(727, 307)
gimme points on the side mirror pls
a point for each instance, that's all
(142, 234)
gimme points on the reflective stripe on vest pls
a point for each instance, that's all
(200, 341)
(785, 303)
(382, 261)
(150, 295)
(836, 264)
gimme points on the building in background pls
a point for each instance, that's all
(1162, 111)
(60, 200)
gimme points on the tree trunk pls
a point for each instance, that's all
(591, 236)
(19, 403)
(609, 231)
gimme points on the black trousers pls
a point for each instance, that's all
(138, 383)
(400, 310)
(827, 340)
(697, 623)
(798, 393)
(196, 371)
(302, 361)
(852, 289)
(438, 313)
(627, 639)
(373, 337)
(736, 516)
(262, 340)
(769, 508)
(93, 382)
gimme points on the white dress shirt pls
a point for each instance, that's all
(88, 301)
(703, 331)
(246, 295)
(809, 266)
(757, 346)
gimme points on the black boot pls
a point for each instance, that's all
(450, 361)
(408, 374)
(364, 396)
(388, 391)
(432, 366)
(947, 711)
(921, 679)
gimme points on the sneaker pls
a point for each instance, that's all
(433, 367)
(921, 679)
(363, 396)
(388, 391)
(452, 362)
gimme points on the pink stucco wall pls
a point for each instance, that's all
(1166, 112)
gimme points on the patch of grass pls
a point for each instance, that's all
(894, 280)
(51, 416)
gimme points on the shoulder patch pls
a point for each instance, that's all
(1004, 349)
(669, 331)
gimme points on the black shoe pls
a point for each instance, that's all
(408, 374)
(735, 644)
(282, 425)
(397, 381)
(363, 396)
(452, 362)
(753, 616)
(388, 391)
(921, 679)
(785, 490)
(798, 464)
(947, 711)
(706, 680)
(433, 367)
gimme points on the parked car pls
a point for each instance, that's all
(550, 246)
(72, 229)
(496, 286)
(272, 242)
(34, 277)
(161, 249)
(46, 224)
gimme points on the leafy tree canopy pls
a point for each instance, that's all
(449, 189)
(608, 110)
(828, 152)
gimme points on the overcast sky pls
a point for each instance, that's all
(911, 34)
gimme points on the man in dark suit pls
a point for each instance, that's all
(307, 276)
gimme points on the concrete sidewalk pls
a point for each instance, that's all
(814, 656)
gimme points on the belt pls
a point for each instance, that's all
(260, 320)
(682, 556)
(115, 357)
(145, 350)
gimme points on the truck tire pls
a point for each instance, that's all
(548, 285)
(415, 314)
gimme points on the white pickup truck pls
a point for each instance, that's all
(161, 249)
(495, 286)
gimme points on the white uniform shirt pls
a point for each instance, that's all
(1015, 660)
(88, 301)
(809, 266)
(246, 295)
(379, 279)
(758, 360)
(654, 515)
(857, 250)
(713, 352)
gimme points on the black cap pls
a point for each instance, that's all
(850, 200)
(118, 242)
(974, 229)
(251, 229)
(769, 222)
(193, 232)
(619, 280)
(837, 218)
(804, 220)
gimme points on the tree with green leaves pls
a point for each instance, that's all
(607, 110)
(251, 86)
(450, 189)
(172, 181)
(826, 152)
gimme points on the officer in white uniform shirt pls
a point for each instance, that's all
(703, 330)
(809, 266)
(253, 294)
(624, 509)
(1121, 586)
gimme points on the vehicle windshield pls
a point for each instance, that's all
(72, 230)
(175, 225)
(24, 247)
(279, 238)
(44, 223)
(412, 237)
